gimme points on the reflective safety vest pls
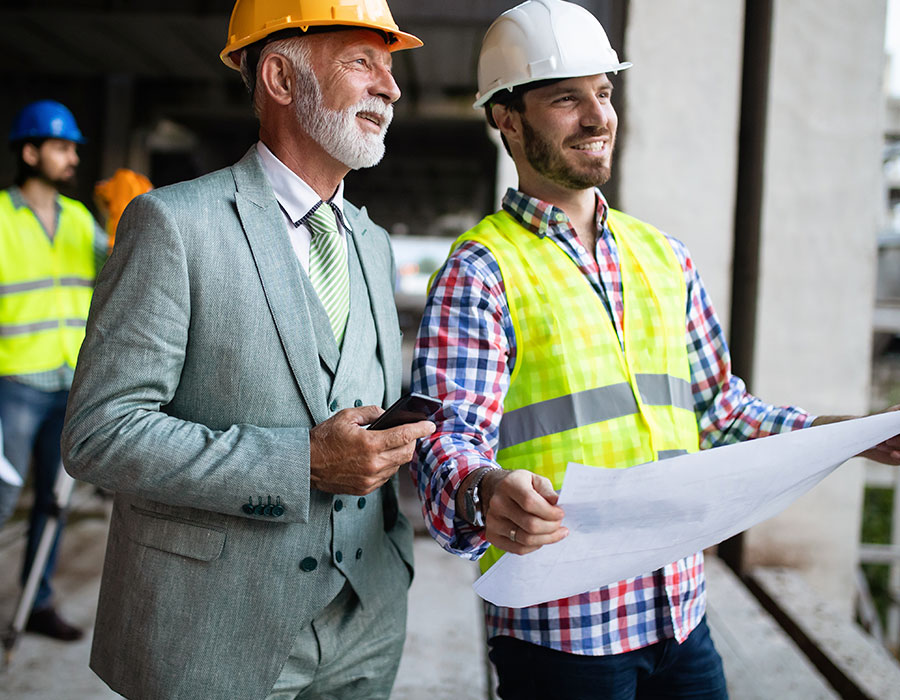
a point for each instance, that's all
(574, 395)
(45, 286)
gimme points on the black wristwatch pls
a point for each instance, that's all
(472, 506)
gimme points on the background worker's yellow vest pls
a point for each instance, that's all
(45, 287)
(574, 395)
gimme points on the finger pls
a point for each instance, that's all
(517, 541)
(405, 434)
(363, 415)
(536, 504)
(544, 486)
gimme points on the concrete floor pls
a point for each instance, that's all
(443, 658)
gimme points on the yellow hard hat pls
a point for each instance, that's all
(252, 20)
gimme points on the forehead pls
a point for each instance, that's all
(57, 144)
(588, 83)
(337, 45)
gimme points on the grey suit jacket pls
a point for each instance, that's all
(197, 384)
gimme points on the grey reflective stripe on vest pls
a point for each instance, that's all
(12, 329)
(665, 390)
(591, 406)
(668, 454)
(75, 282)
(34, 285)
(19, 287)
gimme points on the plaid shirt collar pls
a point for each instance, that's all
(538, 216)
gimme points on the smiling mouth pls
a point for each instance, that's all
(592, 147)
(371, 117)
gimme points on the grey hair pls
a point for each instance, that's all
(292, 48)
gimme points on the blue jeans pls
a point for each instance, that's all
(662, 670)
(32, 423)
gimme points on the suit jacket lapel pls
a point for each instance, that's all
(280, 274)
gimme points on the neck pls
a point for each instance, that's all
(579, 205)
(39, 193)
(304, 156)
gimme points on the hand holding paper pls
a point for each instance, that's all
(626, 522)
(521, 514)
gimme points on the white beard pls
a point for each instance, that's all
(337, 131)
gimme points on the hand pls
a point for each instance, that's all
(344, 457)
(520, 511)
(887, 452)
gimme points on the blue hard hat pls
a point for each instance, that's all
(45, 119)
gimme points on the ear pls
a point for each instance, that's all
(276, 77)
(31, 154)
(508, 121)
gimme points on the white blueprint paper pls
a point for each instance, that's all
(627, 522)
(8, 472)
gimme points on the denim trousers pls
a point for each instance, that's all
(666, 669)
(32, 422)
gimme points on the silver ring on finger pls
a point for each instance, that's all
(512, 534)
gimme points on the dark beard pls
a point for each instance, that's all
(65, 186)
(546, 161)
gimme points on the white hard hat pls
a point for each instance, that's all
(541, 40)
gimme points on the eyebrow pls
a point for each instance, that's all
(372, 54)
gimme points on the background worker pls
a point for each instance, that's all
(114, 194)
(50, 250)
(562, 330)
(242, 336)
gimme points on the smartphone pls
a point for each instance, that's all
(409, 408)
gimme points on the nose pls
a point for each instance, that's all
(597, 113)
(386, 87)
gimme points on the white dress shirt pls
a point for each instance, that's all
(297, 199)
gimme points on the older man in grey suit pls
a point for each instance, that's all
(242, 336)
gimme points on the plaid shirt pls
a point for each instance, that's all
(465, 353)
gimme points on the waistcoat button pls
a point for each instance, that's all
(309, 564)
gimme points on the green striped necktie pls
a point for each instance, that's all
(328, 267)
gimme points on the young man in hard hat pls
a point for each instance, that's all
(553, 315)
(242, 336)
(50, 248)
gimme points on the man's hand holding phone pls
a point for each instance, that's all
(345, 457)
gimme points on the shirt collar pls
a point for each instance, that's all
(296, 197)
(18, 199)
(538, 216)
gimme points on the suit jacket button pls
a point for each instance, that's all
(247, 508)
(334, 405)
(361, 503)
(359, 554)
(357, 403)
(338, 505)
(259, 510)
(309, 564)
(277, 511)
(339, 556)
(268, 510)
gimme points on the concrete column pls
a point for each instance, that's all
(820, 214)
(678, 139)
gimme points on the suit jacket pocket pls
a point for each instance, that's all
(175, 535)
